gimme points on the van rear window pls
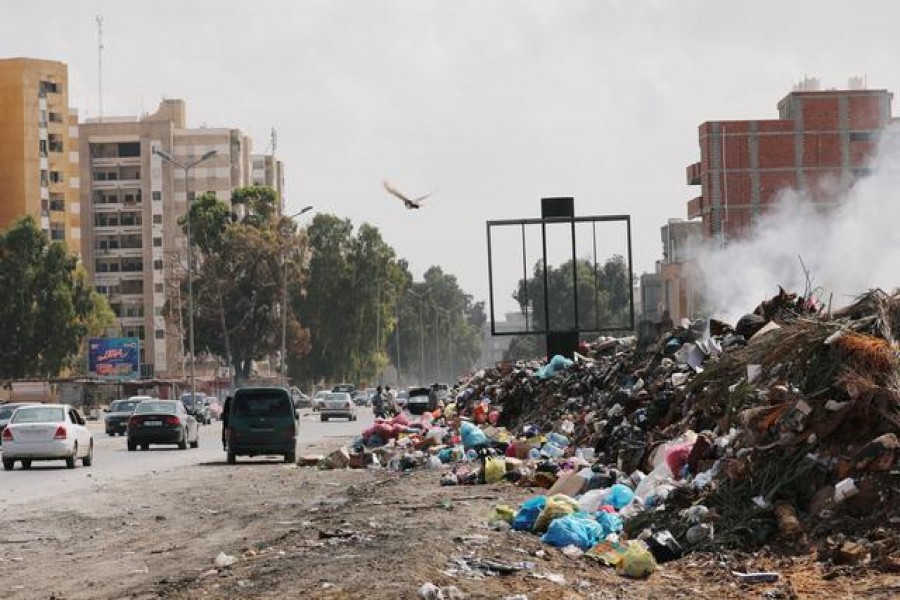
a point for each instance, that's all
(261, 404)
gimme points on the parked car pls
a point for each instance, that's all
(417, 400)
(196, 407)
(344, 387)
(301, 400)
(319, 399)
(6, 412)
(261, 421)
(47, 432)
(117, 415)
(402, 398)
(162, 422)
(215, 407)
(338, 404)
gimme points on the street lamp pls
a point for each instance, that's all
(421, 335)
(189, 202)
(284, 303)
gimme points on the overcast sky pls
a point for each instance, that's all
(491, 104)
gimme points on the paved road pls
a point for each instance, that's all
(113, 463)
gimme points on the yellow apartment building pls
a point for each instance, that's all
(39, 170)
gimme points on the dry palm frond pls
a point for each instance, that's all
(867, 352)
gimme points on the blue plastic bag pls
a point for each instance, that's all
(528, 513)
(609, 522)
(472, 436)
(574, 530)
(557, 363)
(618, 496)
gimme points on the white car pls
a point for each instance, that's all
(47, 432)
(338, 404)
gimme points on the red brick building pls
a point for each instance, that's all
(820, 143)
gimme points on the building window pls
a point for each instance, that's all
(56, 142)
(55, 117)
(57, 203)
(158, 288)
(57, 232)
(160, 334)
(129, 149)
(157, 196)
(158, 264)
(157, 242)
(56, 177)
(48, 87)
(863, 136)
(43, 148)
(45, 178)
(157, 219)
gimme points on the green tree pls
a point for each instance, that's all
(603, 295)
(239, 281)
(45, 307)
(98, 321)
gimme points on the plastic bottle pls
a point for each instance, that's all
(471, 455)
(558, 439)
(534, 454)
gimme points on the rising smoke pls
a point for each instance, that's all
(846, 250)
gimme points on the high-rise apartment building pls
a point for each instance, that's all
(39, 156)
(820, 143)
(133, 245)
(267, 170)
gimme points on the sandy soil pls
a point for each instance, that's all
(304, 533)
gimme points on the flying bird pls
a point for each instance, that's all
(410, 203)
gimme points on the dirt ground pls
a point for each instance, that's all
(304, 533)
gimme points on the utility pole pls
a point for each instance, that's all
(378, 323)
(397, 344)
(437, 347)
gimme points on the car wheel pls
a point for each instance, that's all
(196, 442)
(231, 458)
(290, 457)
(182, 445)
(144, 446)
(323, 418)
(88, 460)
(26, 463)
(9, 464)
(70, 460)
(131, 446)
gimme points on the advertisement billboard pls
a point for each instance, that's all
(114, 358)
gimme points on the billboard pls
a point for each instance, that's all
(114, 358)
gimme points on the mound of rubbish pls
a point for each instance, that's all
(781, 430)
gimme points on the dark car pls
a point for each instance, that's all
(117, 415)
(197, 408)
(418, 400)
(162, 422)
(261, 421)
(6, 412)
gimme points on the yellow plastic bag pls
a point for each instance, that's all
(637, 561)
(558, 505)
(494, 469)
(502, 512)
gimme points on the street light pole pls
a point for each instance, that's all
(421, 335)
(190, 242)
(284, 304)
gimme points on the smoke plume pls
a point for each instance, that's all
(845, 250)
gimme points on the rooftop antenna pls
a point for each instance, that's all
(273, 141)
(99, 19)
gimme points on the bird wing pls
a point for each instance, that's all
(420, 199)
(395, 192)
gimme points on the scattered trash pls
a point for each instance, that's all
(224, 561)
(767, 577)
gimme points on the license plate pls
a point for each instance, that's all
(152, 423)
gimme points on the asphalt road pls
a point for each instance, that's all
(113, 463)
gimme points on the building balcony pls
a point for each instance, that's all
(131, 321)
(695, 208)
(693, 174)
(119, 252)
(116, 161)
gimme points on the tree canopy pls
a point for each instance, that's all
(46, 307)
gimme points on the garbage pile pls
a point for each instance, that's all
(779, 430)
